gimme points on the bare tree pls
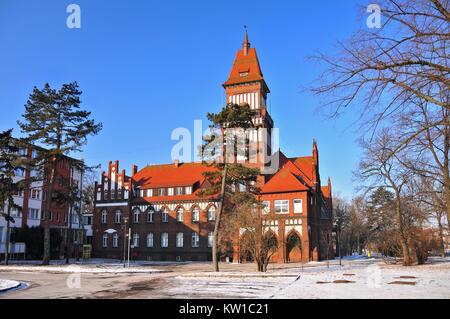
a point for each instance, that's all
(379, 168)
(399, 74)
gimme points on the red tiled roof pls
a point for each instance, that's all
(245, 64)
(305, 165)
(170, 175)
(285, 180)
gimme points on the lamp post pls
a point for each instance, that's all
(125, 220)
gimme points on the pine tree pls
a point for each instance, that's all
(54, 119)
(226, 177)
(9, 161)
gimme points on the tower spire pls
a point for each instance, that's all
(246, 44)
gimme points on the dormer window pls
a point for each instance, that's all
(243, 74)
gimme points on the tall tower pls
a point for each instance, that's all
(246, 84)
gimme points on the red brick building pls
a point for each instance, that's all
(169, 221)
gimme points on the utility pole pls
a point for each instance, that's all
(125, 219)
(129, 245)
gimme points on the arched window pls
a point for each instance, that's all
(136, 240)
(180, 238)
(165, 215)
(105, 240)
(118, 217)
(180, 214)
(104, 217)
(136, 214)
(150, 240)
(195, 215)
(150, 216)
(195, 240)
(115, 241)
(164, 240)
(212, 213)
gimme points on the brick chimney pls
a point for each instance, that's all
(134, 170)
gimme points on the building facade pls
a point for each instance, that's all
(160, 205)
(32, 200)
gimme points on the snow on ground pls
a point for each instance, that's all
(358, 278)
(374, 281)
(82, 268)
(8, 284)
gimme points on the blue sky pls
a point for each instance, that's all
(148, 67)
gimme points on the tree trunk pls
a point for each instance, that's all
(441, 236)
(401, 231)
(216, 225)
(46, 257)
(8, 231)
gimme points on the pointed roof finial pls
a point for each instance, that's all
(246, 44)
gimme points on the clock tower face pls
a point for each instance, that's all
(246, 85)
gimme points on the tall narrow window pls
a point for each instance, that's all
(195, 240)
(298, 207)
(266, 207)
(180, 214)
(165, 215)
(212, 213)
(180, 237)
(118, 217)
(104, 217)
(150, 240)
(136, 240)
(105, 240)
(150, 216)
(164, 240)
(195, 215)
(115, 242)
(136, 214)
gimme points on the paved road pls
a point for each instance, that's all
(193, 280)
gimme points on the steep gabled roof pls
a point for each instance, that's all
(285, 180)
(246, 67)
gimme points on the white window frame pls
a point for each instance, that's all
(150, 240)
(104, 217)
(105, 241)
(115, 240)
(136, 240)
(164, 240)
(188, 190)
(266, 207)
(212, 212)
(299, 202)
(281, 203)
(136, 214)
(165, 216)
(195, 240)
(170, 191)
(179, 240)
(118, 216)
(151, 213)
(196, 213)
(180, 214)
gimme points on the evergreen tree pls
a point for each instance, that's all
(9, 162)
(54, 119)
(226, 178)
